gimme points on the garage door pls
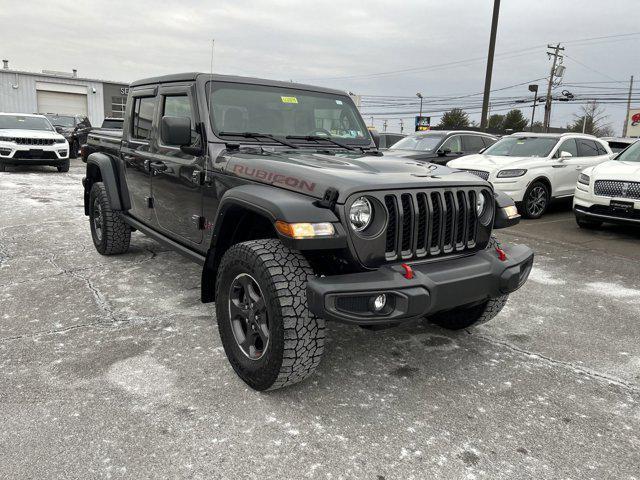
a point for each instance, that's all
(62, 103)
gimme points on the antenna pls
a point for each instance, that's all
(213, 42)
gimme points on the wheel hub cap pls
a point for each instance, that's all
(248, 316)
(537, 201)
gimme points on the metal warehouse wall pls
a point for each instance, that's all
(23, 99)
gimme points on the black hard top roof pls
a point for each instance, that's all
(193, 76)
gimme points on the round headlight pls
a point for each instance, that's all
(360, 214)
(480, 204)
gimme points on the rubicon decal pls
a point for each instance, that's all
(274, 178)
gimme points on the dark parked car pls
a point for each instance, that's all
(386, 139)
(114, 123)
(279, 192)
(441, 146)
(617, 144)
(74, 128)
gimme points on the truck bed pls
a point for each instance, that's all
(105, 140)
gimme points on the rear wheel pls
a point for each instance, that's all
(536, 200)
(270, 337)
(110, 234)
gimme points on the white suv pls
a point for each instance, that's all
(610, 192)
(534, 168)
(31, 140)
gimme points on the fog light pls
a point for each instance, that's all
(379, 302)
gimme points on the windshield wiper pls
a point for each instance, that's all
(259, 135)
(317, 138)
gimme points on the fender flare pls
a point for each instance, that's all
(273, 204)
(108, 175)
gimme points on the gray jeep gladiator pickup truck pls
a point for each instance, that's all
(278, 191)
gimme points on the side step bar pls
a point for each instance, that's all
(178, 247)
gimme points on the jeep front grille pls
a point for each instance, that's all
(430, 223)
(478, 173)
(617, 188)
(34, 141)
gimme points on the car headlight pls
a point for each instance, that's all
(6, 139)
(60, 140)
(517, 172)
(481, 204)
(584, 179)
(360, 214)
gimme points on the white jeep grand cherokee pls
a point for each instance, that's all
(31, 140)
(610, 192)
(534, 168)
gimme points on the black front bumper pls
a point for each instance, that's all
(604, 213)
(435, 287)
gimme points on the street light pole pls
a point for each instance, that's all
(487, 78)
(533, 88)
(419, 95)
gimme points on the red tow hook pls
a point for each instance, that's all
(408, 271)
(501, 255)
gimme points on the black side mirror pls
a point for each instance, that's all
(443, 152)
(175, 130)
(376, 137)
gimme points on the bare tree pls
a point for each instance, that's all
(593, 119)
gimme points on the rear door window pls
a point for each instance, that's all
(601, 149)
(142, 118)
(472, 143)
(587, 148)
(488, 141)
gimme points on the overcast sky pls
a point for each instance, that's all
(361, 46)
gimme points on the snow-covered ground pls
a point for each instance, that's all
(111, 367)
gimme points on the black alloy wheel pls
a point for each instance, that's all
(98, 219)
(248, 316)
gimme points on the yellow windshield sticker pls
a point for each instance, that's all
(289, 99)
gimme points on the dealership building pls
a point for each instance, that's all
(62, 93)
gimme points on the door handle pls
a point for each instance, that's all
(157, 166)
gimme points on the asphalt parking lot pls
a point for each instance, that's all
(110, 367)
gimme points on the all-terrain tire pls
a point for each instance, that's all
(3, 167)
(534, 205)
(113, 235)
(296, 336)
(588, 224)
(63, 167)
(465, 317)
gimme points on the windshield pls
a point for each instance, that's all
(631, 154)
(24, 123)
(418, 142)
(522, 147)
(59, 121)
(285, 112)
(112, 123)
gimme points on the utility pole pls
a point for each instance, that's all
(371, 121)
(384, 126)
(487, 77)
(401, 126)
(547, 105)
(626, 117)
(533, 88)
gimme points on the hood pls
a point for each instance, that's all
(401, 153)
(489, 162)
(617, 170)
(313, 173)
(28, 133)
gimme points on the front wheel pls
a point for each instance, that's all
(536, 200)
(73, 149)
(465, 317)
(63, 167)
(588, 224)
(270, 337)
